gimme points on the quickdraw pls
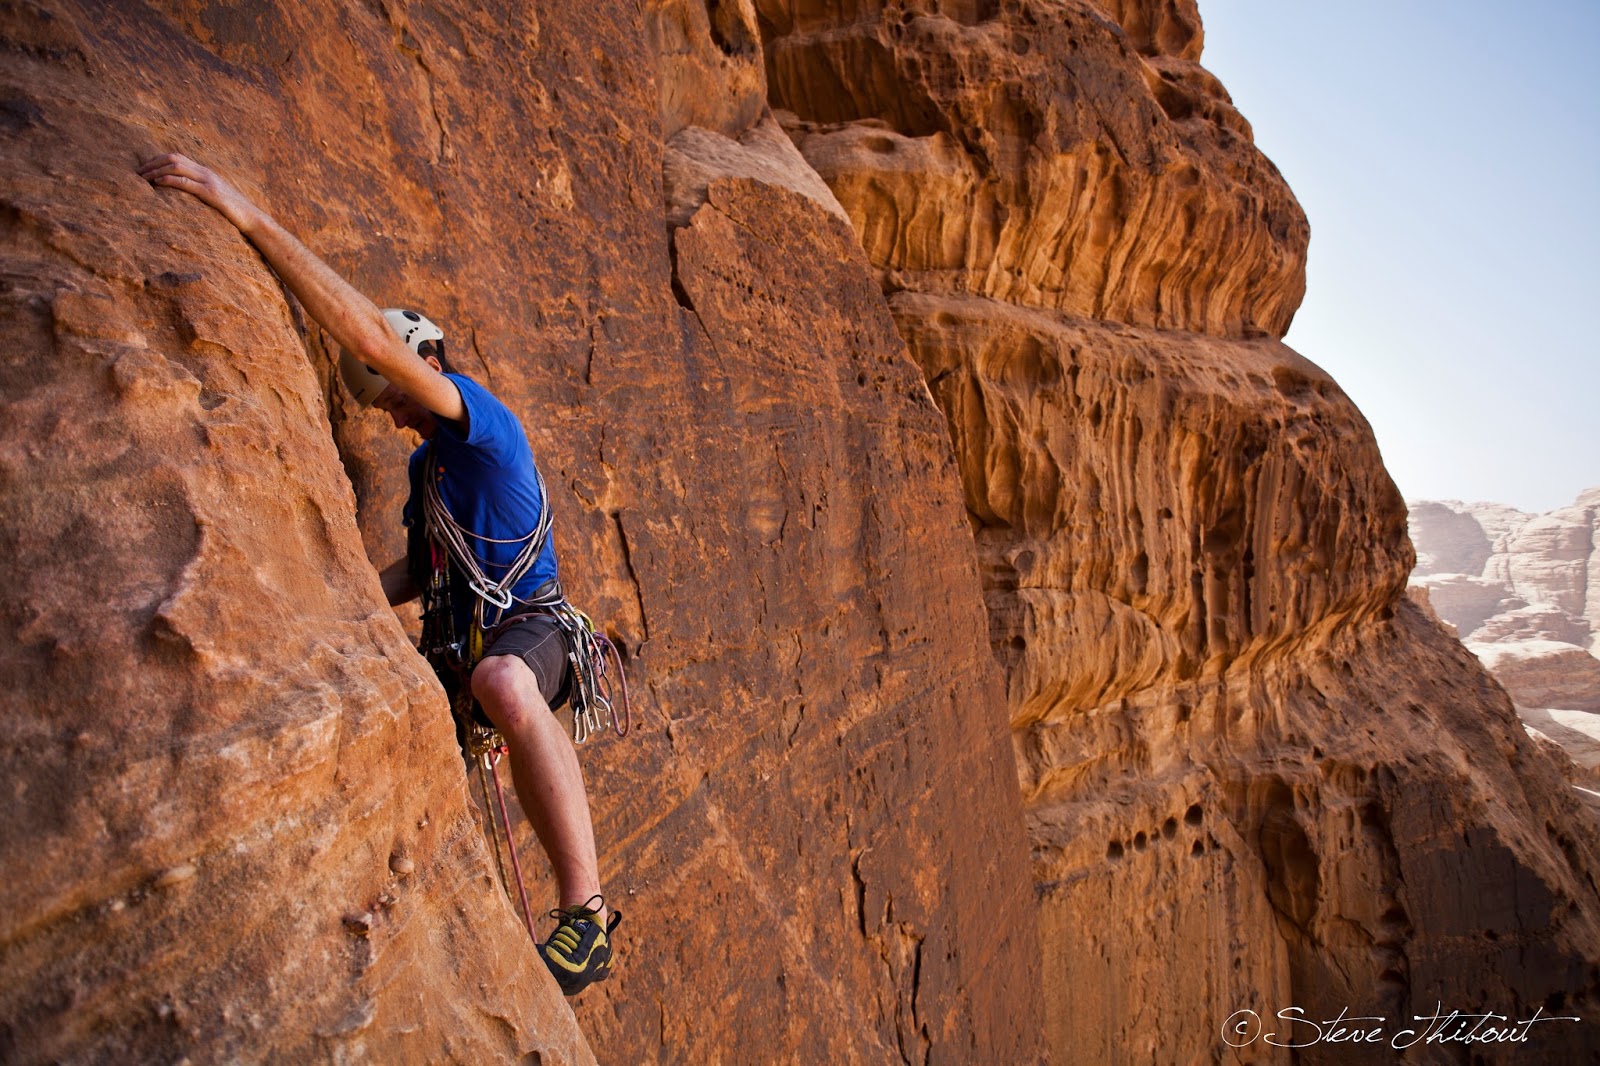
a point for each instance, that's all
(590, 654)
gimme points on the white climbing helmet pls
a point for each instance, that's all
(363, 382)
(412, 327)
(366, 383)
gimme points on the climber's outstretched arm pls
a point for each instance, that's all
(353, 320)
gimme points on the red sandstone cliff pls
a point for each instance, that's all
(1256, 776)
(218, 742)
(1251, 774)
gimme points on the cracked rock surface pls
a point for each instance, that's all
(237, 826)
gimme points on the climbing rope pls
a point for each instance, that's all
(494, 830)
(486, 747)
(492, 759)
(443, 527)
(587, 651)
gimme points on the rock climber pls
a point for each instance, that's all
(489, 493)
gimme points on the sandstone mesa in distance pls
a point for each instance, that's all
(1022, 659)
(1523, 592)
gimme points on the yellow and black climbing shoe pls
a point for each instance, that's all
(578, 953)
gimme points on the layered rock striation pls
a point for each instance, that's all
(1256, 775)
(1038, 154)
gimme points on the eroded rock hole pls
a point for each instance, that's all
(728, 29)
(1294, 880)
(1372, 815)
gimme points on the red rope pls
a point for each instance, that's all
(511, 844)
(622, 676)
(494, 828)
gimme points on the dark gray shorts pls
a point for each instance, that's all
(539, 642)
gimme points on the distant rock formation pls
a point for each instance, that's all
(1523, 592)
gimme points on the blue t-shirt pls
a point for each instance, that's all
(489, 483)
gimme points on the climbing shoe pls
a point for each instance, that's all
(578, 953)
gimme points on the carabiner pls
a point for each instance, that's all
(501, 598)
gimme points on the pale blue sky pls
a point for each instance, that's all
(1447, 153)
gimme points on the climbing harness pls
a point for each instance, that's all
(454, 656)
(588, 651)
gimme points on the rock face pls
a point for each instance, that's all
(1036, 153)
(1256, 775)
(777, 287)
(220, 748)
(1519, 589)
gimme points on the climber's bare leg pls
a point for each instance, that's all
(545, 771)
